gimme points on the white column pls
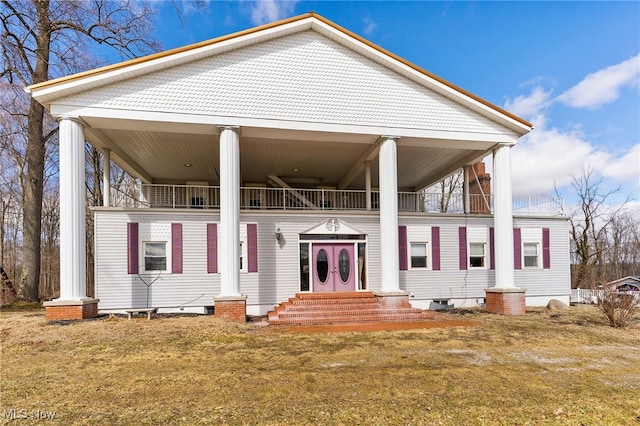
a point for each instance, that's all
(72, 211)
(106, 178)
(502, 217)
(390, 264)
(465, 190)
(367, 183)
(229, 251)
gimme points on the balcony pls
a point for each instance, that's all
(263, 198)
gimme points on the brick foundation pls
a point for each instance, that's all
(231, 308)
(56, 310)
(506, 301)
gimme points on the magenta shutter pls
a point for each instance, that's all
(492, 249)
(462, 247)
(176, 248)
(132, 248)
(546, 250)
(435, 248)
(517, 248)
(212, 248)
(402, 244)
(252, 247)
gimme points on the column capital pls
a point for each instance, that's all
(72, 118)
(228, 127)
(386, 137)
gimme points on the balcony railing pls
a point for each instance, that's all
(262, 198)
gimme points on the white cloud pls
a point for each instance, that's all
(265, 11)
(548, 157)
(369, 25)
(625, 168)
(528, 106)
(603, 86)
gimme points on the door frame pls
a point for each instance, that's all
(359, 239)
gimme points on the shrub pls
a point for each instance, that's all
(619, 307)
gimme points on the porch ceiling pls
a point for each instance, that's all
(177, 154)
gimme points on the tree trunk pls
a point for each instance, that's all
(32, 226)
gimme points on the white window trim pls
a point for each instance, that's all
(538, 255)
(167, 256)
(419, 268)
(243, 256)
(486, 255)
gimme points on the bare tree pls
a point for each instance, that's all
(450, 187)
(48, 38)
(589, 224)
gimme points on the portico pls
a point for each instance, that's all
(299, 129)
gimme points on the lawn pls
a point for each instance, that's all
(547, 367)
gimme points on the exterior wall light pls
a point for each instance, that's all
(278, 234)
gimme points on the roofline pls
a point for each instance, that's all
(166, 53)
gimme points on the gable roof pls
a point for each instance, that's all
(49, 91)
(630, 278)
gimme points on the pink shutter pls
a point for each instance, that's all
(462, 247)
(492, 248)
(132, 248)
(252, 247)
(546, 249)
(517, 248)
(402, 244)
(176, 248)
(435, 248)
(212, 248)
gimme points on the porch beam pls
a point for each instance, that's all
(106, 177)
(132, 167)
(292, 191)
(470, 158)
(357, 168)
(367, 183)
(465, 189)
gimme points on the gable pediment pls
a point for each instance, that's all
(301, 77)
(333, 226)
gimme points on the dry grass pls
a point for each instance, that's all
(562, 367)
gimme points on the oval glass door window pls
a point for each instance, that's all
(344, 264)
(322, 266)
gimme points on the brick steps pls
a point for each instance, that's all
(348, 307)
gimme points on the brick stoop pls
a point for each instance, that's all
(344, 307)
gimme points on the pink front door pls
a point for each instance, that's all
(333, 267)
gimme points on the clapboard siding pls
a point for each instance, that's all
(277, 278)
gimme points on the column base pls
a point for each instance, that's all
(393, 299)
(71, 309)
(232, 308)
(506, 301)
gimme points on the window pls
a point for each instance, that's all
(241, 257)
(155, 256)
(418, 255)
(477, 255)
(530, 252)
(304, 267)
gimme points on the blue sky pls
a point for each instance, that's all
(571, 68)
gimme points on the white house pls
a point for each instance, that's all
(292, 158)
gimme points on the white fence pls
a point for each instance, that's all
(582, 295)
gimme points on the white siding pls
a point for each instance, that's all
(277, 278)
